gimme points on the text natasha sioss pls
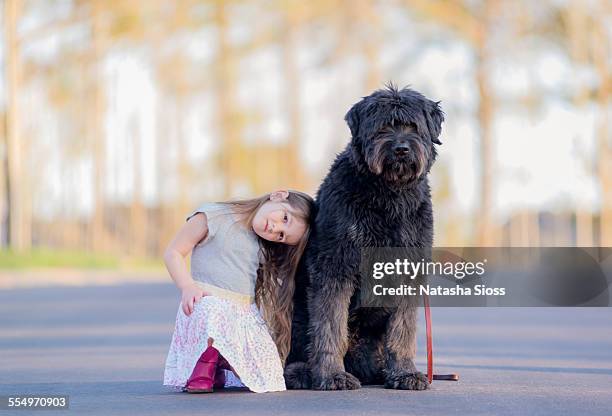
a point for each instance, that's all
(431, 290)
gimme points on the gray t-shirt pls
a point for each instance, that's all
(228, 257)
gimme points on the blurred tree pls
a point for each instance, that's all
(98, 239)
(291, 21)
(19, 219)
(3, 182)
(600, 49)
(475, 23)
(576, 22)
(229, 122)
(487, 234)
(584, 36)
(368, 22)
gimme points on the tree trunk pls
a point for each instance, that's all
(487, 234)
(19, 220)
(371, 46)
(577, 25)
(97, 235)
(295, 175)
(601, 58)
(231, 150)
(137, 211)
(3, 185)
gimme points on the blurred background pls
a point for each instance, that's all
(118, 118)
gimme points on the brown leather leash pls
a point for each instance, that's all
(430, 375)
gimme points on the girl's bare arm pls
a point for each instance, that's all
(190, 234)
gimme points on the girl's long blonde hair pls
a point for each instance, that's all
(276, 274)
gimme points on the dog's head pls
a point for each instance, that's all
(394, 133)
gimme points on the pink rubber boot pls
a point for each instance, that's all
(202, 378)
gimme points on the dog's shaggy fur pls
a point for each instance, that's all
(375, 195)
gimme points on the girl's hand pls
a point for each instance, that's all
(190, 295)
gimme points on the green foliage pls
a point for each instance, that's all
(44, 258)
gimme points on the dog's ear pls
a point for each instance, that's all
(352, 118)
(434, 117)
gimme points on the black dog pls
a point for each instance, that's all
(375, 195)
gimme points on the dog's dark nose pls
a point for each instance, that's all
(401, 149)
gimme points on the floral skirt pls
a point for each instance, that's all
(238, 332)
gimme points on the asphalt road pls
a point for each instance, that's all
(105, 346)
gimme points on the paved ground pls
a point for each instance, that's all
(105, 346)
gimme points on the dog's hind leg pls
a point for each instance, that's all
(298, 376)
(297, 373)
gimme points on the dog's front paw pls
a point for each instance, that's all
(407, 381)
(340, 380)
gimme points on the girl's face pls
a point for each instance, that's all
(274, 221)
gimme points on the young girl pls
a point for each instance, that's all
(244, 256)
